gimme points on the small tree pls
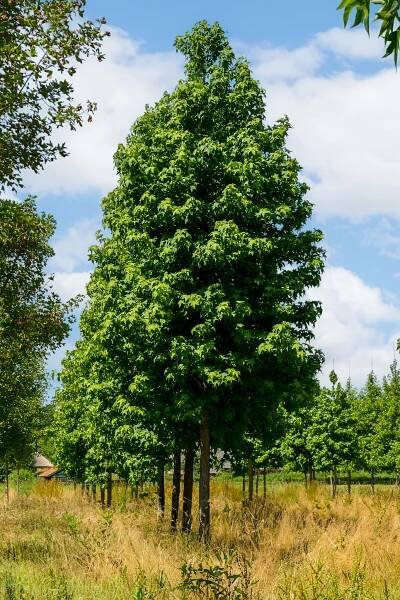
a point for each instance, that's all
(332, 439)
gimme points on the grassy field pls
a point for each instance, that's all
(57, 544)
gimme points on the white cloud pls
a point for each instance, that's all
(281, 64)
(68, 285)
(121, 85)
(358, 328)
(346, 132)
(71, 249)
(350, 43)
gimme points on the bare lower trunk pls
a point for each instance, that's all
(204, 483)
(187, 491)
(109, 489)
(264, 483)
(160, 490)
(333, 483)
(176, 490)
(349, 482)
(305, 479)
(250, 471)
(102, 497)
(257, 478)
(7, 485)
(94, 492)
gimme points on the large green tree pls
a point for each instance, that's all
(41, 44)
(197, 300)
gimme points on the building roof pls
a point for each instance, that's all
(48, 473)
(41, 462)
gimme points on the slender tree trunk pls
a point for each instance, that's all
(250, 470)
(17, 480)
(160, 490)
(188, 491)
(314, 478)
(102, 496)
(373, 481)
(264, 483)
(305, 479)
(109, 488)
(176, 490)
(74, 485)
(349, 482)
(257, 478)
(94, 492)
(7, 485)
(204, 483)
(333, 483)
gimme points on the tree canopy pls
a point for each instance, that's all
(33, 320)
(41, 44)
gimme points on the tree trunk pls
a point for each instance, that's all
(176, 490)
(264, 483)
(109, 488)
(160, 490)
(373, 481)
(257, 477)
(333, 483)
(349, 482)
(94, 492)
(7, 485)
(314, 478)
(188, 491)
(17, 480)
(204, 483)
(244, 486)
(250, 471)
(305, 479)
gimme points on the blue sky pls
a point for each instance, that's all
(343, 102)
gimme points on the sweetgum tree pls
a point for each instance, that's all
(200, 284)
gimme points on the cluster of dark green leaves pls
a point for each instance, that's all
(33, 321)
(41, 43)
(384, 12)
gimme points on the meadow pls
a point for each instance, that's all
(57, 543)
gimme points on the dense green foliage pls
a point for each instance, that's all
(197, 318)
(33, 321)
(386, 15)
(41, 42)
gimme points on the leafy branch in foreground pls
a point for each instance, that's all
(387, 15)
(41, 44)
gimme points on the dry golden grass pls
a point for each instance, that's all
(301, 545)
